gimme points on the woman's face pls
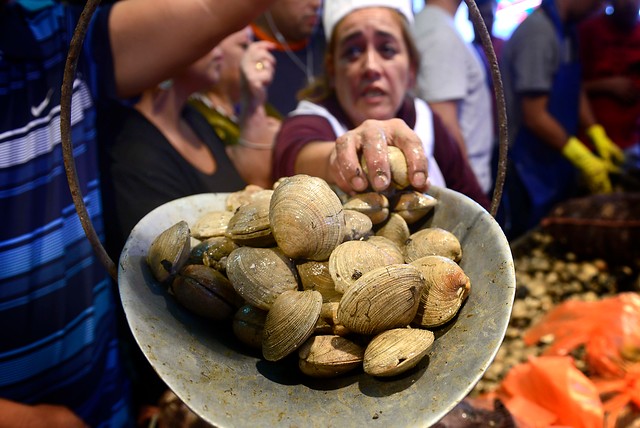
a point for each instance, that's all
(371, 70)
(206, 71)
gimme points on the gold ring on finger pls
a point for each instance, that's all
(259, 65)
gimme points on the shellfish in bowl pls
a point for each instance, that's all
(211, 371)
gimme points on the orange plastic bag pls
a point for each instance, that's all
(551, 392)
(619, 393)
(609, 329)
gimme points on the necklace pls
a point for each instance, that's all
(307, 68)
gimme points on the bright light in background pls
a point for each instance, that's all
(510, 13)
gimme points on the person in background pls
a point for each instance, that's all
(293, 27)
(371, 65)
(610, 57)
(546, 108)
(452, 79)
(487, 10)
(235, 106)
(60, 362)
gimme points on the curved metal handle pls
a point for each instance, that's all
(67, 148)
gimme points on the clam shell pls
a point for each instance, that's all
(446, 288)
(329, 356)
(248, 325)
(306, 218)
(210, 251)
(259, 275)
(213, 223)
(432, 241)
(315, 276)
(250, 193)
(413, 205)
(206, 292)
(169, 252)
(397, 165)
(290, 322)
(357, 225)
(395, 229)
(389, 247)
(383, 298)
(249, 225)
(395, 351)
(374, 205)
(352, 259)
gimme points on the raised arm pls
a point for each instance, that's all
(152, 40)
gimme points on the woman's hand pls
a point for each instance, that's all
(371, 139)
(257, 69)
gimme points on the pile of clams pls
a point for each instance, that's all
(341, 281)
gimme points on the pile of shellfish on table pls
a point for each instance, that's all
(343, 281)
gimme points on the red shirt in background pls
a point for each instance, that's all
(606, 51)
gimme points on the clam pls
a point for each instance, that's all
(259, 275)
(397, 165)
(393, 251)
(169, 251)
(212, 251)
(395, 229)
(357, 225)
(397, 350)
(250, 193)
(374, 205)
(432, 241)
(412, 205)
(249, 225)
(329, 355)
(446, 288)
(212, 223)
(248, 325)
(315, 276)
(383, 298)
(306, 218)
(352, 259)
(328, 322)
(206, 292)
(290, 323)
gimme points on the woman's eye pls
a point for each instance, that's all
(351, 52)
(388, 50)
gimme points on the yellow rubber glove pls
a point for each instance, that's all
(607, 149)
(594, 169)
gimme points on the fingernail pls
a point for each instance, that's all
(419, 179)
(358, 183)
(381, 182)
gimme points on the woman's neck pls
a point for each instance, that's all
(222, 103)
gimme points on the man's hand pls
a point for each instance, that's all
(607, 149)
(594, 170)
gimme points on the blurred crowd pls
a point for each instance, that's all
(173, 98)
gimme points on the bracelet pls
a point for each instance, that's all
(251, 145)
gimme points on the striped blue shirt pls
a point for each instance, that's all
(57, 305)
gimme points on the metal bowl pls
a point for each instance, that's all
(230, 386)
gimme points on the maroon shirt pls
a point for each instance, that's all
(297, 131)
(605, 51)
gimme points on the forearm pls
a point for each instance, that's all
(587, 117)
(447, 111)
(152, 40)
(313, 159)
(17, 415)
(538, 120)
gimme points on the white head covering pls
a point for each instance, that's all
(335, 10)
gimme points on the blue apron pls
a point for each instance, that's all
(547, 177)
